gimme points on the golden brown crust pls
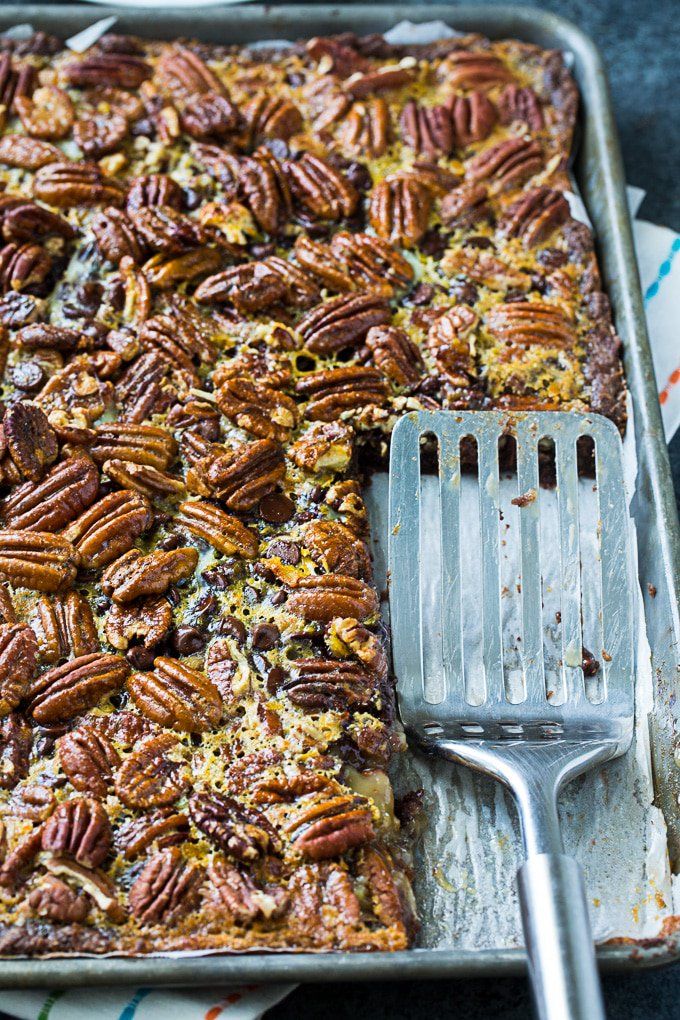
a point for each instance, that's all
(224, 273)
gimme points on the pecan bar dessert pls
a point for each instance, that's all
(224, 275)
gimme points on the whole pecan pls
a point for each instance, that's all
(507, 164)
(149, 777)
(23, 266)
(110, 527)
(395, 354)
(69, 690)
(99, 134)
(150, 445)
(18, 661)
(47, 114)
(37, 560)
(365, 129)
(372, 262)
(28, 153)
(142, 478)
(166, 888)
(400, 209)
(526, 323)
(321, 684)
(465, 205)
(517, 103)
(153, 189)
(184, 73)
(325, 827)
(251, 287)
(265, 188)
(210, 117)
(428, 130)
(259, 409)
(70, 184)
(465, 69)
(89, 759)
(164, 827)
(343, 321)
(270, 116)
(336, 549)
(148, 621)
(57, 901)
(26, 221)
(535, 215)
(16, 741)
(64, 627)
(323, 447)
(334, 392)
(118, 70)
(329, 595)
(48, 505)
(135, 575)
(239, 477)
(221, 530)
(31, 440)
(177, 697)
(450, 341)
(244, 833)
(81, 829)
(324, 192)
(472, 118)
(380, 80)
(115, 236)
(241, 898)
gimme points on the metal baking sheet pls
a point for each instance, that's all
(599, 174)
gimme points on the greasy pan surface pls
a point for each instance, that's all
(601, 183)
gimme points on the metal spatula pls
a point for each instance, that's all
(532, 739)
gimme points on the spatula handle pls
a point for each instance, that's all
(558, 938)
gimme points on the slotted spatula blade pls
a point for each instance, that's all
(532, 730)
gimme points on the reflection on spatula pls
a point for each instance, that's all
(533, 737)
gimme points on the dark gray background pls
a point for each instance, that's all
(639, 44)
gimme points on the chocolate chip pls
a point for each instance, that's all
(28, 376)
(434, 243)
(276, 508)
(278, 598)
(276, 677)
(230, 626)
(187, 641)
(140, 657)
(265, 572)
(224, 575)
(192, 199)
(551, 258)
(464, 292)
(265, 636)
(89, 297)
(478, 242)
(589, 664)
(317, 494)
(287, 552)
(169, 542)
(422, 294)
(359, 175)
(262, 251)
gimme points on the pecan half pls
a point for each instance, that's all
(47, 114)
(69, 184)
(335, 548)
(335, 392)
(372, 262)
(37, 560)
(520, 104)
(98, 886)
(400, 209)
(115, 236)
(110, 528)
(23, 266)
(241, 898)
(28, 153)
(323, 447)
(526, 323)
(507, 164)
(325, 827)
(69, 690)
(265, 189)
(366, 128)
(149, 777)
(319, 260)
(450, 341)
(89, 759)
(251, 287)
(329, 595)
(239, 477)
(18, 661)
(150, 445)
(464, 69)
(210, 117)
(166, 889)
(64, 492)
(324, 192)
(184, 73)
(119, 70)
(26, 221)
(465, 205)
(81, 829)
(31, 441)
(341, 58)
(383, 891)
(535, 216)
(167, 272)
(153, 189)
(320, 684)
(472, 118)
(244, 833)
(271, 116)
(16, 740)
(428, 130)
(64, 627)
(165, 230)
(164, 827)
(177, 697)
(395, 354)
(56, 901)
(343, 321)
(381, 80)
(44, 335)
(221, 530)
(99, 134)
(259, 409)
(148, 621)
(135, 575)
(142, 478)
